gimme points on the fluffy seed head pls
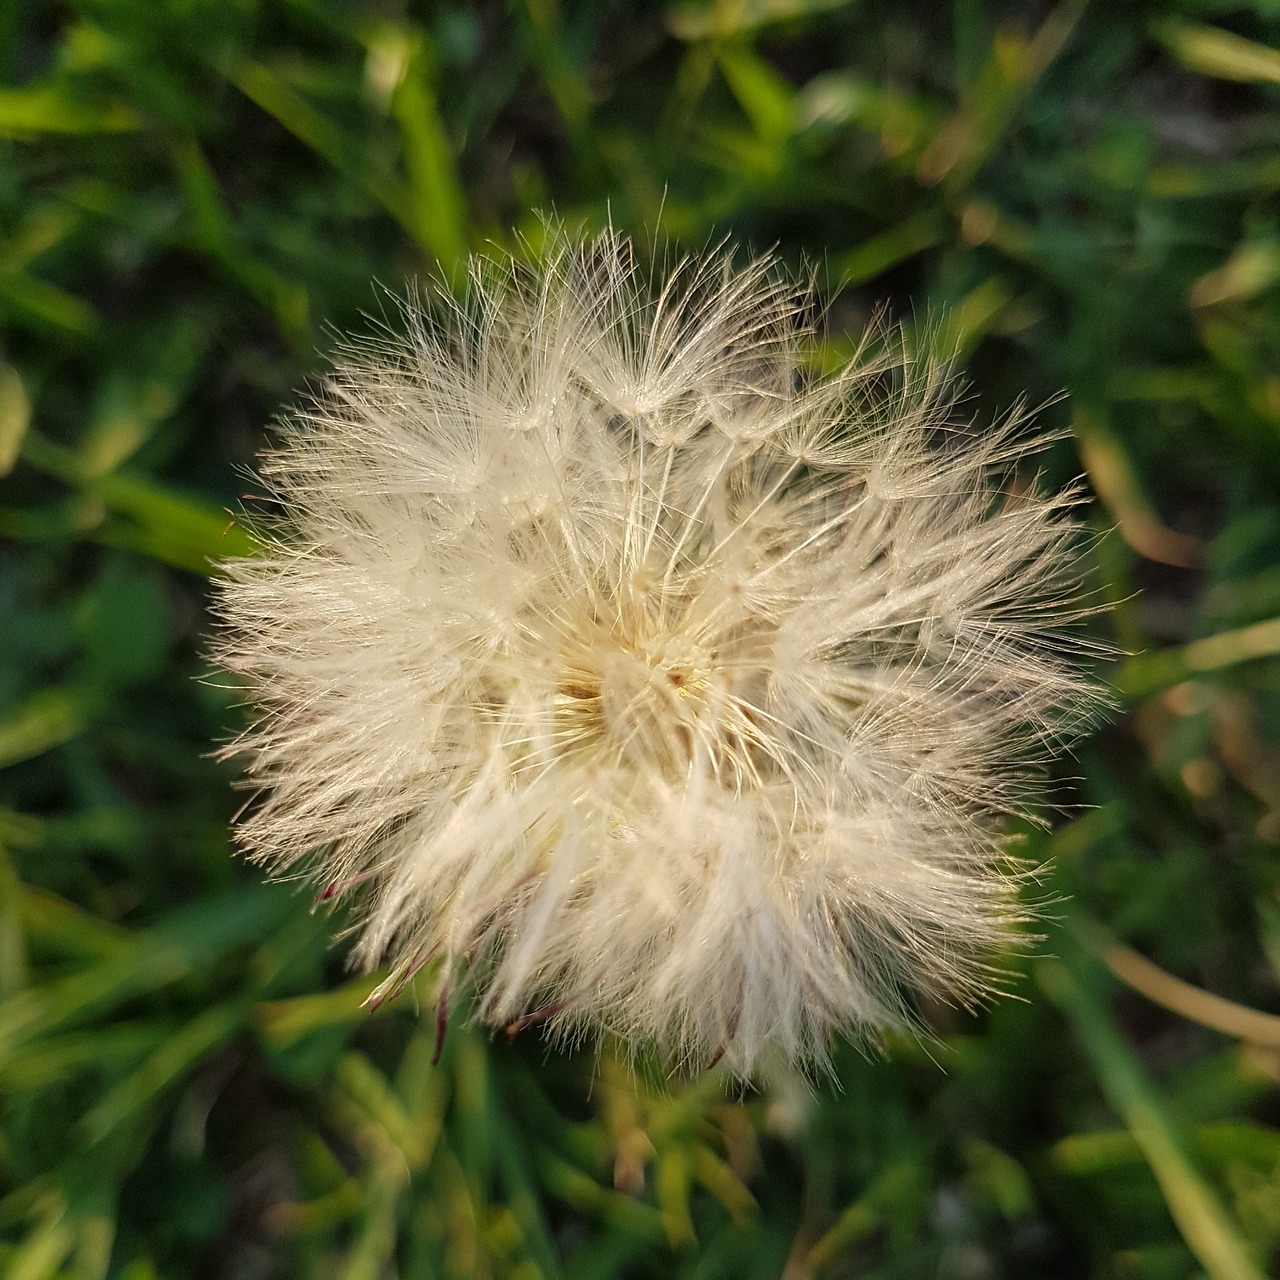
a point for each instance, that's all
(608, 654)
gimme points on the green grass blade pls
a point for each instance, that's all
(1205, 1226)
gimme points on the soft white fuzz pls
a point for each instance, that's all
(651, 682)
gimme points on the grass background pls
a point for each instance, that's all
(197, 195)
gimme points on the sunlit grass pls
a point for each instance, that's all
(194, 198)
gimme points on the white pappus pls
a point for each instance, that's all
(619, 662)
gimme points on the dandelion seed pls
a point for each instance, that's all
(648, 680)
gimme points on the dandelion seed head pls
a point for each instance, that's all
(665, 687)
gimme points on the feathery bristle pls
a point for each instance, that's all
(671, 688)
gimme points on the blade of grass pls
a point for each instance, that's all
(187, 943)
(1148, 673)
(878, 254)
(332, 143)
(13, 941)
(1013, 66)
(189, 528)
(284, 1022)
(57, 923)
(438, 204)
(50, 306)
(1221, 54)
(1221, 1144)
(28, 112)
(714, 21)
(582, 1192)
(46, 720)
(865, 1215)
(218, 235)
(56, 1058)
(1204, 1224)
(545, 37)
(15, 416)
(1191, 1002)
(41, 1254)
(164, 1069)
(766, 98)
(1114, 477)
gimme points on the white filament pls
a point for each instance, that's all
(654, 679)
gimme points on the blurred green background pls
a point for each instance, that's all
(197, 196)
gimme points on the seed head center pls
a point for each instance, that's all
(638, 691)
